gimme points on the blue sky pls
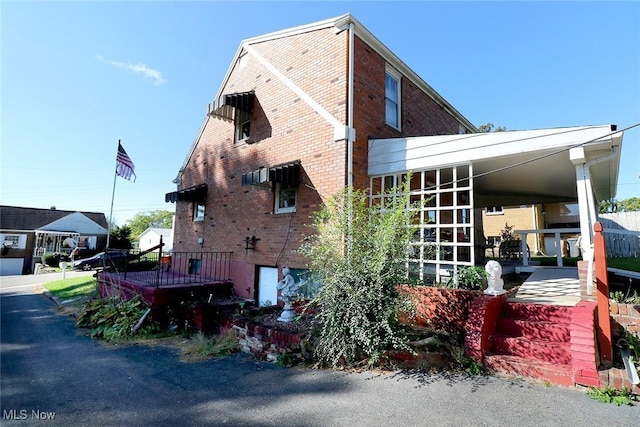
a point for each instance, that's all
(76, 77)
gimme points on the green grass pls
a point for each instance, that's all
(72, 287)
(629, 264)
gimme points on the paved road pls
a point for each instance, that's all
(49, 368)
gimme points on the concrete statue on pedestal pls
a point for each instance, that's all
(495, 283)
(288, 291)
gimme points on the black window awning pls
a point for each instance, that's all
(197, 193)
(223, 106)
(286, 173)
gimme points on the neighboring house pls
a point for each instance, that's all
(532, 217)
(28, 233)
(151, 237)
(306, 111)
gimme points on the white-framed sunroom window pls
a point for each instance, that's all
(443, 238)
(392, 97)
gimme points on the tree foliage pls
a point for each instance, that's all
(631, 204)
(358, 253)
(489, 127)
(120, 238)
(150, 219)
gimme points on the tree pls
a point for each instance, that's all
(120, 238)
(150, 219)
(489, 127)
(359, 253)
(631, 204)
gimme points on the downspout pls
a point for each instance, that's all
(350, 130)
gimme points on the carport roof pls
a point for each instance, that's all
(513, 167)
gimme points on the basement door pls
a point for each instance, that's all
(267, 286)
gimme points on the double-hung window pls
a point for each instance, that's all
(243, 125)
(198, 211)
(286, 195)
(392, 97)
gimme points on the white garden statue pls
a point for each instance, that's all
(288, 290)
(495, 283)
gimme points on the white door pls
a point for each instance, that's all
(267, 286)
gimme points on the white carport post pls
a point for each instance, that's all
(586, 206)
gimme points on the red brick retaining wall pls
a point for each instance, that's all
(440, 308)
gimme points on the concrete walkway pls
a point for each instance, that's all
(551, 285)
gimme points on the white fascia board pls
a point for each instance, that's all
(397, 155)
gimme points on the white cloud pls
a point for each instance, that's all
(140, 69)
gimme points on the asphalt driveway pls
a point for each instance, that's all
(48, 368)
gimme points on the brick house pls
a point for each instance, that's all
(534, 216)
(289, 127)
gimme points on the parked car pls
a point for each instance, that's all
(98, 261)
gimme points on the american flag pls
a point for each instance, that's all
(124, 165)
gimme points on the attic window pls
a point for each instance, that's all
(243, 125)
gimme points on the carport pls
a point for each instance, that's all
(463, 173)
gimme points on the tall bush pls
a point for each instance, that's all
(359, 255)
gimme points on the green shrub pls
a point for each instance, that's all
(611, 395)
(471, 278)
(359, 253)
(113, 318)
(53, 259)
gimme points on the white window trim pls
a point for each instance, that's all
(277, 198)
(22, 240)
(398, 77)
(238, 122)
(197, 217)
(500, 212)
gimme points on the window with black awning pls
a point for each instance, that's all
(286, 173)
(197, 193)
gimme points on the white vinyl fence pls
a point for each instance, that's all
(622, 234)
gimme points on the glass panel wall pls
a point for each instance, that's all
(443, 237)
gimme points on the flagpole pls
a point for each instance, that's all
(113, 194)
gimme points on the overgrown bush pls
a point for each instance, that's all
(114, 318)
(359, 253)
(470, 278)
(53, 259)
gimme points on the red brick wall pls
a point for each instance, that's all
(440, 309)
(420, 115)
(284, 128)
(626, 316)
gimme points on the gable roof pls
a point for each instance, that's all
(340, 23)
(164, 232)
(30, 219)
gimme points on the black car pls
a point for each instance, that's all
(98, 261)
